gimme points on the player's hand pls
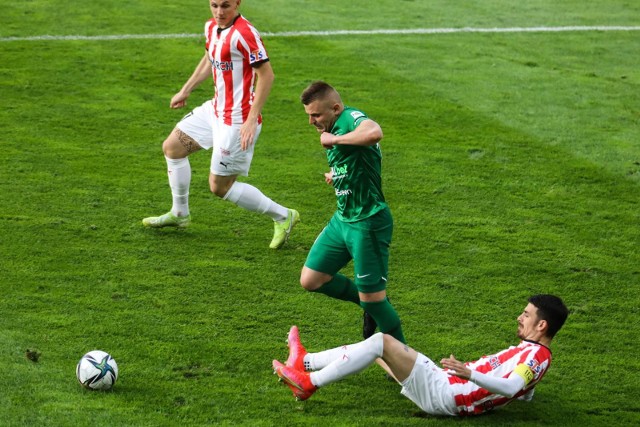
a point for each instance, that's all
(248, 133)
(328, 177)
(327, 140)
(179, 100)
(456, 367)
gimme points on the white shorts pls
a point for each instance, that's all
(227, 158)
(428, 387)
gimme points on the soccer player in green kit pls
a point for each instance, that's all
(362, 226)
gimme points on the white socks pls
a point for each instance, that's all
(341, 362)
(179, 171)
(317, 361)
(249, 197)
(244, 195)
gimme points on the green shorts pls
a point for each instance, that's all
(366, 242)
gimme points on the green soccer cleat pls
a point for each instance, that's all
(283, 229)
(167, 220)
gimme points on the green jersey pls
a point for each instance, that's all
(356, 171)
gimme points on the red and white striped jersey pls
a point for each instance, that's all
(233, 52)
(471, 399)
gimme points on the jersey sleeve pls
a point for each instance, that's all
(536, 364)
(507, 387)
(358, 117)
(252, 43)
(355, 117)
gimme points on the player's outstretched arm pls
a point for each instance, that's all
(200, 74)
(507, 387)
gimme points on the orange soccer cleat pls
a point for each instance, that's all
(296, 350)
(299, 382)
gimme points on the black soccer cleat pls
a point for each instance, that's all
(369, 325)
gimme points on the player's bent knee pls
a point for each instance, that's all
(388, 340)
(373, 296)
(312, 280)
(221, 186)
(218, 191)
(179, 145)
(307, 284)
(173, 150)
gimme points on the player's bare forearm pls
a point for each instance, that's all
(366, 134)
(200, 74)
(264, 82)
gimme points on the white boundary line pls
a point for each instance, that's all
(335, 33)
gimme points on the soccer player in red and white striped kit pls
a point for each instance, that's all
(230, 123)
(456, 388)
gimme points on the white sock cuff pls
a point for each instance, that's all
(377, 343)
(177, 163)
(234, 193)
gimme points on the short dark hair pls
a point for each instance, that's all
(316, 90)
(552, 310)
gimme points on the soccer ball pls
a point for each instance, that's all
(97, 370)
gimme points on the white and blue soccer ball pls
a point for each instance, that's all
(97, 370)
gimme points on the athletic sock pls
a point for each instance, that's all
(320, 360)
(340, 287)
(350, 360)
(386, 317)
(179, 171)
(249, 197)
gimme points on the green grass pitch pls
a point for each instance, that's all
(511, 165)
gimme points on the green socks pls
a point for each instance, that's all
(343, 288)
(340, 287)
(386, 317)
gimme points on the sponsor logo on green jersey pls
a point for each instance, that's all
(339, 171)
